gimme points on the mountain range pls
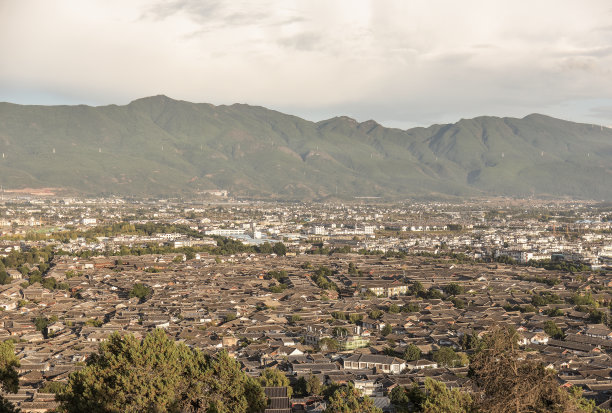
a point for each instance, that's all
(157, 146)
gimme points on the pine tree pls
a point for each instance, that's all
(158, 375)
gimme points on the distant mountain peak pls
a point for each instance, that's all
(157, 145)
(155, 98)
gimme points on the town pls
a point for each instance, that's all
(377, 294)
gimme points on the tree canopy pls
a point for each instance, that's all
(308, 385)
(412, 353)
(511, 383)
(272, 377)
(446, 356)
(347, 399)
(441, 399)
(141, 291)
(279, 248)
(158, 375)
(9, 380)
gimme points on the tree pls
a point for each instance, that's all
(583, 299)
(598, 317)
(462, 359)
(399, 398)
(446, 356)
(230, 317)
(9, 379)
(393, 309)
(416, 288)
(545, 298)
(278, 288)
(387, 329)
(272, 377)
(141, 291)
(458, 302)
(411, 308)
(313, 385)
(4, 277)
(49, 283)
(434, 293)
(553, 330)
(439, 399)
(54, 387)
(306, 265)
(412, 353)
(375, 314)
(435, 398)
(512, 383)
(41, 323)
(35, 277)
(453, 289)
(279, 248)
(265, 248)
(583, 404)
(554, 312)
(189, 255)
(158, 375)
(347, 399)
(299, 387)
(355, 318)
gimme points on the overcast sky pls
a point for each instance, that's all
(402, 63)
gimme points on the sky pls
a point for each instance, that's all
(403, 63)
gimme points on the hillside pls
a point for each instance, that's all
(160, 146)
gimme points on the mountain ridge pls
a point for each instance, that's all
(160, 146)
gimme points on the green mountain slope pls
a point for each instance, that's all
(161, 146)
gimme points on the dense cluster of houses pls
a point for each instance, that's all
(356, 330)
(213, 303)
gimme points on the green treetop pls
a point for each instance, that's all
(159, 375)
(347, 399)
(141, 291)
(272, 377)
(9, 380)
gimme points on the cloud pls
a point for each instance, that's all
(603, 112)
(400, 62)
